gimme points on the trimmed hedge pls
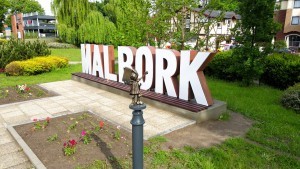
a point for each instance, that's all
(17, 50)
(281, 70)
(291, 98)
(221, 66)
(35, 66)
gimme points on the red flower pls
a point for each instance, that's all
(72, 142)
(48, 119)
(101, 124)
(27, 88)
(65, 144)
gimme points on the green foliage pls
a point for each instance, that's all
(256, 31)
(221, 66)
(54, 137)
(96, 29)
(281, 70)
(35, 66)
(3, 41)
(279, 44)
(29, 35)
(26, 6)
(291, 98)
(15, 50)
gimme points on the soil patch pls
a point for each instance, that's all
(108, 142)
(13, 94)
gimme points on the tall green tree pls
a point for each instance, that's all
(25, 6)
(131, 18)
(255, 33)
(4, 6)
(80, 22)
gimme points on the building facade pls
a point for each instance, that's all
(42, 25)
(289, 17)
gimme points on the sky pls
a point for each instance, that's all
(46, 5)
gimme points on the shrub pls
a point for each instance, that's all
(221, 66)
(281, 70)
(17, 50)
(291, 98)
(3, 41)
(60, 45)
(35, 66)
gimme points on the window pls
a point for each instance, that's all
(297, 4)
(295, 20)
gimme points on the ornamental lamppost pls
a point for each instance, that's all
(131, 77)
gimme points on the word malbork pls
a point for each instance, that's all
(177, 74)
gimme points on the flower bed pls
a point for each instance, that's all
(76, 140)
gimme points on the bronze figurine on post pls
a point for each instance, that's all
(131, 77)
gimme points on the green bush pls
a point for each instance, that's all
(35, 66)
(221, 66)
(3, 41)
(281, 70)
(291, 98)
(17, 50)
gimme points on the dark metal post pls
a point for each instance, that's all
(137, 122)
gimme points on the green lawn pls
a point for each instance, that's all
(55, 75)
(273, 141)
(73, 54)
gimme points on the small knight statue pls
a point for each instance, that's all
(131, 77)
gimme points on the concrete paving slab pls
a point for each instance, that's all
(12, 159)
(9, 148)
(25, 165)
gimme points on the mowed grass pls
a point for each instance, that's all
(275, 127)
(55, 75)
(73, 54)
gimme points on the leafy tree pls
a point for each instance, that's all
(25, 6)
(79, 22)
(255, 33)
(97, 29)
(4, 6)
(130, 17)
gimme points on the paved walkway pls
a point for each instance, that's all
(77, 97)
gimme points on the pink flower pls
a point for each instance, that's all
(48, 119)
(35, 120)
(83, 133)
